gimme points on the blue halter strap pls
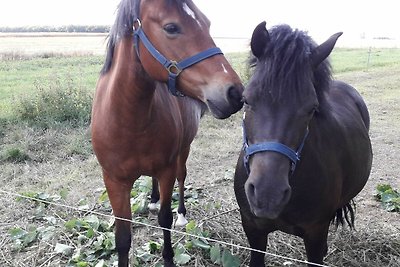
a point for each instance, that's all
(249, 150)
(174, 68)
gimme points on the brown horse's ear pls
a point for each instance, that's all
(259, 39)
(321, 52)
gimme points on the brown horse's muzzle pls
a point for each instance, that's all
(223, 107)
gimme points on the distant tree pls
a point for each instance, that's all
(67, 28)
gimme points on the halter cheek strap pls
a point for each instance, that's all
(174, 68)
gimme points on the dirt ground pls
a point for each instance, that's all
(375, 242)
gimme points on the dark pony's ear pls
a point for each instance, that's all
(321, 52)
(259, 40)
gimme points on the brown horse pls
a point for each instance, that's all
(138, 127)
(293, 107)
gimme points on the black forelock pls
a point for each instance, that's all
(285, 64)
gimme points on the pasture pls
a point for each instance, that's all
(50, 158)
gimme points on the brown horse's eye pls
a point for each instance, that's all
(172, 29)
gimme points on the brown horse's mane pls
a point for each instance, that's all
(127, 13)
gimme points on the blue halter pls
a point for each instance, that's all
(249, 150)
(174, 68)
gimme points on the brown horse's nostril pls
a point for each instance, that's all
(235, 96)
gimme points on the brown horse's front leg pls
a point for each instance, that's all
(119, 194)
(165, 217)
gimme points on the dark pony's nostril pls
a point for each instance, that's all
(250, 191)
(286, 195)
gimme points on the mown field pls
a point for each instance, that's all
(45, 153)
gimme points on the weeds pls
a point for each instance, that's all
(389, 197)
(89, 240)
(58, 101)
(15, 155)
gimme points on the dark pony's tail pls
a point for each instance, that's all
(345, 213)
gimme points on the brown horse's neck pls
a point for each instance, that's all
(129, 72)
(130, 90)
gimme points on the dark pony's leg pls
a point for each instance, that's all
(315, 241)
(155, 194)
(119, 194)
(165, 217)
(258, 240)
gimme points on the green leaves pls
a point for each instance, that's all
(22, 238)
(181, 256)
(389, 197)
(93, 238)
(222, 257)
(89, 241)
(228, 260)
(63, 249)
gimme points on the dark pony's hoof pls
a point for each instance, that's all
(169, 264)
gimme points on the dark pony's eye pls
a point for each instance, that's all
(172, 29)
(314, 110)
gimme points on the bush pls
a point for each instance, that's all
(57, 101)
(14, 154)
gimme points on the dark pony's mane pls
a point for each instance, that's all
(127, 13)
(285, 65)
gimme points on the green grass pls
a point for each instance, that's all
(356, 59)
(20, 78)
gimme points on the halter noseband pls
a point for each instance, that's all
(174, 68)
(249, 150)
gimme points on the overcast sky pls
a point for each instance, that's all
(229, 18)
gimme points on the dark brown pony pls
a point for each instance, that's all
(307, 151)
(138, 126)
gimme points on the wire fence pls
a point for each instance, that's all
(93, 212)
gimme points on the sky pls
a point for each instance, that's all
(229, 18)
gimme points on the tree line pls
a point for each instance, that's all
(67, 28)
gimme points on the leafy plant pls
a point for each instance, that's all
(222, 257)
(93, 240)
(23, 238)
(59, 100)
(90, 240)
(389, 197)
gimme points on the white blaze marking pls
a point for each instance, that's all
(190, 12)
(223, 66)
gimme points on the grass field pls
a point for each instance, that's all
(55, 161)
(47, 44)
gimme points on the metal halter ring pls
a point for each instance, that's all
(139, 25)
(173, 68)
